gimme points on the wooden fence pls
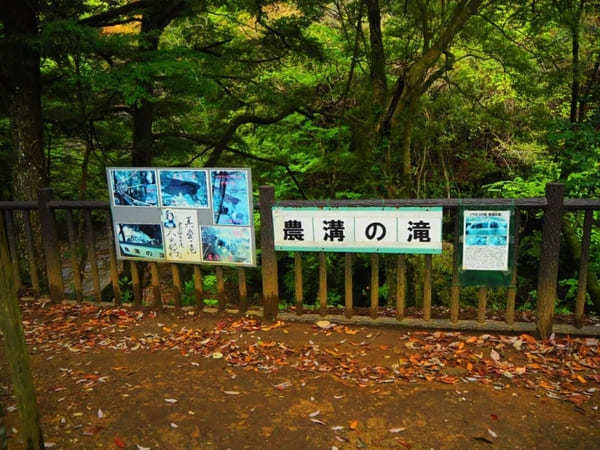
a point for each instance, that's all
(18, 225)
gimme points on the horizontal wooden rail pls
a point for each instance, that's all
(571, 204)
(450, 203)
(78, 204)
(19, 205)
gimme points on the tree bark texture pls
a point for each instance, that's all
(21, 92)
(16, 352)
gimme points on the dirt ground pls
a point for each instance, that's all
(123, 378)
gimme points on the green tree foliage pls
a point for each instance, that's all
(342, 99)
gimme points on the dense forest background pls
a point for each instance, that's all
(340, 99)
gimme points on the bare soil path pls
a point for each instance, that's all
(121, 378)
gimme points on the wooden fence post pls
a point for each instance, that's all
(33, 265)
(16, 352)
(299, 288)
(322, 284)
(91, 255)
(198, 287)
(548, 271)
(220, 288)
(374, 309)
(270, 284)
(136, 284)
(50, 243)
(583, 267)
(112, 254)
(243, 290)
(177, 286)
(75, 267)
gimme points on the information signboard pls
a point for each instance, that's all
(360, 229)
(183, 214)
(486, 253)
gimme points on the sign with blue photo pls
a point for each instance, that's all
(486, 256)
(183, 214)
(485, 240)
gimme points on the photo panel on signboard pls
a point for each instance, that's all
(181, 234)
(184, 188)
(226, 244)
(230, 197)
(486, 240)
(144, 241)
(134, 187)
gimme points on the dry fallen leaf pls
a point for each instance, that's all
(495, 355)
(354, 425)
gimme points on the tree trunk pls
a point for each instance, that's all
(143, 113)
(16, 352)
(20, 75)
(378, 78)
(143, 116)
(154, 21)
(576, 70)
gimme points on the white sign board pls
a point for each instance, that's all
(360, 229)
(486, 240)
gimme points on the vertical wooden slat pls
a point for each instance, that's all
(374, 310)
(91, 247)
(12, 246)
(583, 268)
(512, 290)
(220, 288)
(482, 303)
(50, 243)
(322, 283)
(198, 287)
(400, 286)
(548, 269)
(243, 290)
(136, 284)
(33, 273)
(112, 256)
(348, 310)
(156, 297)
(268, 259)
(427, 288)
(455, 288)
(177, 287)
(299, 284)
(75, 267)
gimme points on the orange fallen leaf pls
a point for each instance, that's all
(119, 443)
(527, 338)
(354, 425)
